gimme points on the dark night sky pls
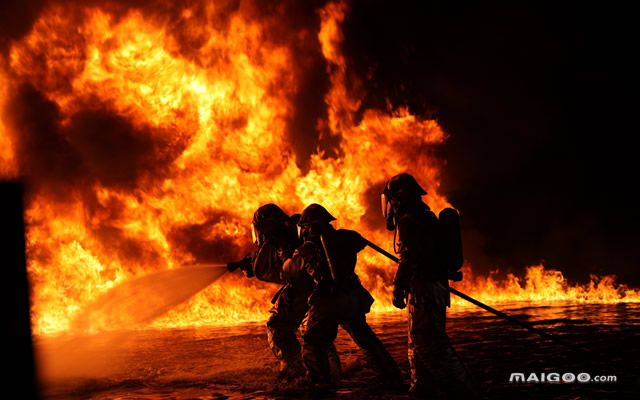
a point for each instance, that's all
(540, 158)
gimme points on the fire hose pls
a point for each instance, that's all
(242, 264)
(492, 310)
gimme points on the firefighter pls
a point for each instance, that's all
(274, 234)
(329, 256)
(421, 280)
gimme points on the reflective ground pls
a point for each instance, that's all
(234, 362)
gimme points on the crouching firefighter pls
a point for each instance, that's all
(426, 263)
(274, 233)
(329, 256)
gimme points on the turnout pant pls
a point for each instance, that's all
(287, 314)
(320, 328)
(432, 358)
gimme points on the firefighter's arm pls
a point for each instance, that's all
(401, 283)
(310, 252)
(358, 243)
(305, 260)
(245, 265)
(408, 251)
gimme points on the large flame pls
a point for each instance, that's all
(174, 129)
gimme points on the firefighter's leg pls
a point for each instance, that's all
(458, 381)
(423, 375)
(281, 334)
(377, 356)
(319, 330)
(334, 361)
(432, 357)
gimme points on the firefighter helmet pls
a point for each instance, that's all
(403, 186)
(399, 189)
(313, 220)
(314, 214)
(267, 219)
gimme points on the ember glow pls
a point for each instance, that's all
(147, 139)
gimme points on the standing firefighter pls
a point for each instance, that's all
(274, 233)
(422, 277)
(329, 256)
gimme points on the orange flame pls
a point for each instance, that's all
(542, 285)
(214, 115)
(7, 163)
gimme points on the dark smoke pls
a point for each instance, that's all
(195, 239)
(44, 155)
(115, 152)
(96, 147)
(300, 34)
(16, 18)
(134, 254)
(310, 106)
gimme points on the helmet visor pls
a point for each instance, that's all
(386, 205)
(254, 235)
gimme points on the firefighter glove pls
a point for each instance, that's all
(399, 298)
(244, 265)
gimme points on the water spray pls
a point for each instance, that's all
(141, 300)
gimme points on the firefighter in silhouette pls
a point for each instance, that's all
(422, 281)
(329, 256)
(274, 233)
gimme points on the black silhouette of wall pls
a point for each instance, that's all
(19, 369)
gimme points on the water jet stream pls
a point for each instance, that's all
(139, 301)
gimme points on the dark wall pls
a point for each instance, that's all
(19, 364)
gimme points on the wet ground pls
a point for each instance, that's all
(235, 362)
